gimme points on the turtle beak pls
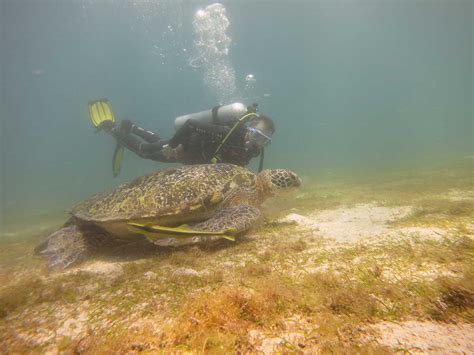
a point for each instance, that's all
(298, 182)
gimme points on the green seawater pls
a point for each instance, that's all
(351, 86)
(373, 107)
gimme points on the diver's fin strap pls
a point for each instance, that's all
(243, 119)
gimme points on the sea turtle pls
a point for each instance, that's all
(195, 201)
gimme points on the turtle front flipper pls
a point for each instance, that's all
(226, 223)
(238, 219)
(65, 247)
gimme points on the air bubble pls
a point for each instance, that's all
(250, 78)
(212, 46)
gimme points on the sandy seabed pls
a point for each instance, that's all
(71, 308)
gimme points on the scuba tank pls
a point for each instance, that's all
(233, 115)
(227, 115)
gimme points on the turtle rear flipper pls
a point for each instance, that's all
(65, 247)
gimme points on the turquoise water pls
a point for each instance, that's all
(350, 85)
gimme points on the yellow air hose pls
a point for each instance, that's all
(215, 159)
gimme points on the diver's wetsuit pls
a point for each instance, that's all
(199, 141)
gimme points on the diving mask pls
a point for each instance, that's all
(257, 137)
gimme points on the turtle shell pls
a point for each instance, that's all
(176, 192)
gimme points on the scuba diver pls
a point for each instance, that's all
(226, 134)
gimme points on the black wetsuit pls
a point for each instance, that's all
(199, 142)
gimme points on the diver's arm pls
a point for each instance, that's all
(217, 132)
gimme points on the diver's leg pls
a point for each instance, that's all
(149, 136)
(137, 146)
(127, 140)
(128, 126)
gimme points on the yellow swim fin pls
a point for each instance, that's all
(100, 113)
(117, 160)
(154, 232)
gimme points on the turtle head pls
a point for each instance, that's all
(272, 181)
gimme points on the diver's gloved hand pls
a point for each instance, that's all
(126, 126)
(169, 152)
